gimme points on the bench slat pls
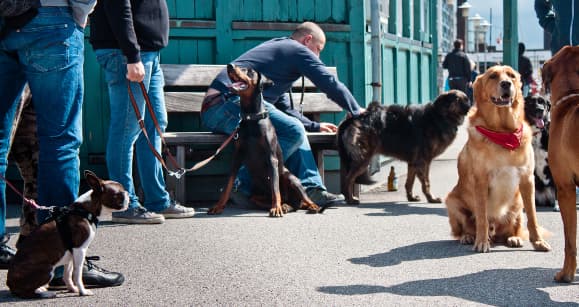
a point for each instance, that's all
(191, 102)
(194, 75)
(180, 138)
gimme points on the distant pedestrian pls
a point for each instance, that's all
(560, 18)
(459, 68)
(525, 69)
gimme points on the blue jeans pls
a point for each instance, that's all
(291, 134)
(125, 133)
(48, 53)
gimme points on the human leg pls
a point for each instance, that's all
(150, 168)
(12, 80)
(123, 132)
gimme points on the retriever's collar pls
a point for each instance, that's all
(508, 140)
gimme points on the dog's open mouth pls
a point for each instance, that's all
(504, 100)
(539, 123)
(239, 86)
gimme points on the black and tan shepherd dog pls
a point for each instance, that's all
(415, 134)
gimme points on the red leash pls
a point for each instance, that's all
(30, 202)
(180, 170)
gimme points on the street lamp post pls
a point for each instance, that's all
(476, 21)
(464, 8)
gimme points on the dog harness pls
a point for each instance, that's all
(60, 216)
(508, 140)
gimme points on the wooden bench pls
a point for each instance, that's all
(185, 86)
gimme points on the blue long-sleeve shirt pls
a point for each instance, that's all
(284, 60)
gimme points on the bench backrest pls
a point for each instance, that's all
(185, 86)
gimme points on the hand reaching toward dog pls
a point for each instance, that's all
(328, 127)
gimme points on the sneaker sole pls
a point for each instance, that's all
(178, 215)
(122, 220)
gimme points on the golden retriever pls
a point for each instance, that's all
(495, 169)
(561, 79)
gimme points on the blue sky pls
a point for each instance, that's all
(530, 32)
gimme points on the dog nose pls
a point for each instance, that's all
(505, 84)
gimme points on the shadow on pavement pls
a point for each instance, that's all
(501, 287)
(400, 209)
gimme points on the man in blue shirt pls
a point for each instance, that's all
(283, 60)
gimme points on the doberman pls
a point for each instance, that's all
(273, 187)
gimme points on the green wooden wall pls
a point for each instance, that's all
(217, 31)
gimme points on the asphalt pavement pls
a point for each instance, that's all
(384, 252)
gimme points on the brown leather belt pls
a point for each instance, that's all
(210, 101)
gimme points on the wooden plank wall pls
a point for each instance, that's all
(217, 31)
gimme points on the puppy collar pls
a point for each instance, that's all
(508, 140)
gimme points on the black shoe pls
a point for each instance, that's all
(6, 253)
(92, 277)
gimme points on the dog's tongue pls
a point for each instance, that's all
(539, 123)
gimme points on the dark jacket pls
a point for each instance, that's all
(283, 61)
(458, 64)
(555, 17)
(525, 69)
(130, 25)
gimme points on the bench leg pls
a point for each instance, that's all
(319, 156)
(180, 193)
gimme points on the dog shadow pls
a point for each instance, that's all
(7, 297)
(420, 251)
(405, 208)
(500, 287)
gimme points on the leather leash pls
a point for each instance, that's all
(180, 171)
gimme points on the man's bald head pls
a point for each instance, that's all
(310, 35)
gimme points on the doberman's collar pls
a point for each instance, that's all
(508, 140)
(254, 116)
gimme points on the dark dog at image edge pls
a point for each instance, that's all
(561, 78)
(273, 187)
(62, 240)
(414, 134)
(537, 116)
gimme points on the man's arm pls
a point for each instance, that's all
(545, 14)
(81, 9)
(284, 105)
(120, 19)
(311, 67)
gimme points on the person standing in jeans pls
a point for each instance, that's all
(44, 46)
(459, 68)
(127, 37)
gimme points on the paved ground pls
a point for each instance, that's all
(385, 252)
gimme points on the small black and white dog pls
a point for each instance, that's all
(537, 115)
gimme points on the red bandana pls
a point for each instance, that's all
(509, 140)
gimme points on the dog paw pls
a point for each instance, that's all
(411, 197)
(436, 200)
(353, 201)
(564, 276)
(541, 245)
(86, 292)
(482, 246)
(215, 210)
(276, 212)
(515, 242)
(467, 239)
(72, 289)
